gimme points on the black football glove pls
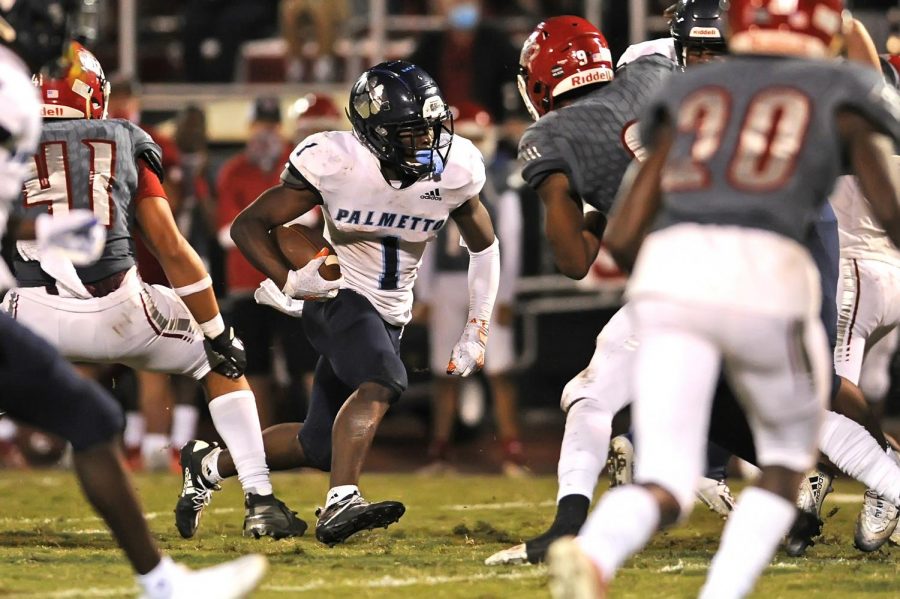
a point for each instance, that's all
(226, 354)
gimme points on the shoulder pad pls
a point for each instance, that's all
(321, 156)
(465, 168)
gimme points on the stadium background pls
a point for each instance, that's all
(172, 61)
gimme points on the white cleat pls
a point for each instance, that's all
(514, 556)
(572, 573)
(231, 580)
(620, 463)
(876, 522)
(715, 495)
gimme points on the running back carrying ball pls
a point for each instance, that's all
(300, 244)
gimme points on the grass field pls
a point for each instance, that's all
(52, 545)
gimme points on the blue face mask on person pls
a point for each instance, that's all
(464, 16)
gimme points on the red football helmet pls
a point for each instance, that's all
(801, 27)
(561, 54)
(77, 89)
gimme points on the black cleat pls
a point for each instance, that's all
(196, 491)
(267, 516)
(346, 517)
(808, 526)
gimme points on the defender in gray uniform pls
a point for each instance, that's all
(743, 156)
(104, 313)
(576, 154)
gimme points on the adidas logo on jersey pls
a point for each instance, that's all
(434, 194)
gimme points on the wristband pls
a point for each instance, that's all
(204, 283)
(214, 327)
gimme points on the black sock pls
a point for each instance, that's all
(571, 512)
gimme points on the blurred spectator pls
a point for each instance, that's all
(214, 31)
(444, 301)
(241, 180)
(471, 60)
(314, 113)
(305, 20)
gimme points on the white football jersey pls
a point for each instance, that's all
(379, 231)
(860, 234)
(20, 117)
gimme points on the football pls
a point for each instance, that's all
(299, 244)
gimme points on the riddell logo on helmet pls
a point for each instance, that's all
(592, 76)
(705, 32)
(50, 111)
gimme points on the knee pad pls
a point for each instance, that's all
(316, 449)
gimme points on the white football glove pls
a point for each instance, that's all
(468, 353)
(307, 284)
(268, 294)
(78, 235)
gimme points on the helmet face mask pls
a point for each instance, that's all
(397, 112)
(698, 30)
(561, 55)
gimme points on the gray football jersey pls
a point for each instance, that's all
(92, 165)
(756, 141)
(587, 140)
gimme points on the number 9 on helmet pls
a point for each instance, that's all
(561, 55)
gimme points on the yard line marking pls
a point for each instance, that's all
(509, 505)
(392, 582)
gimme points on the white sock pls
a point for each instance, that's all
(852, 449)
(134, 429)
(584, 447)
(755, 527)
(337, 493)
(184, 424)
(237, 421)
(623, 522)
(7, 429)
(209, 466)
(157, 583)
(153, 443)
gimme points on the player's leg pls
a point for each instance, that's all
(364, 353)
(780, 369)
(42, 389)
(168, 340)
(156, 401)
(253, 324)
(675, 372)
(589, 400)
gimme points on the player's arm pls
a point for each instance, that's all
(860, 46)
(250, 230)
(639, 201)
(870, 155)
(477, 231)
(574, 237)
(190, 281)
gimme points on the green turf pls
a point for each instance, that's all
(52, 545)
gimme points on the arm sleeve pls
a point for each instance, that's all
(484, 278)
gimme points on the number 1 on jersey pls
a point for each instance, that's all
(390, 259)
(52, 185)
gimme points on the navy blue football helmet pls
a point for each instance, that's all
(699, 24)
(39, 31)
(397, 112)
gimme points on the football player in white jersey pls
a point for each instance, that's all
(39, 387)
(868, 303)
(385, 190)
